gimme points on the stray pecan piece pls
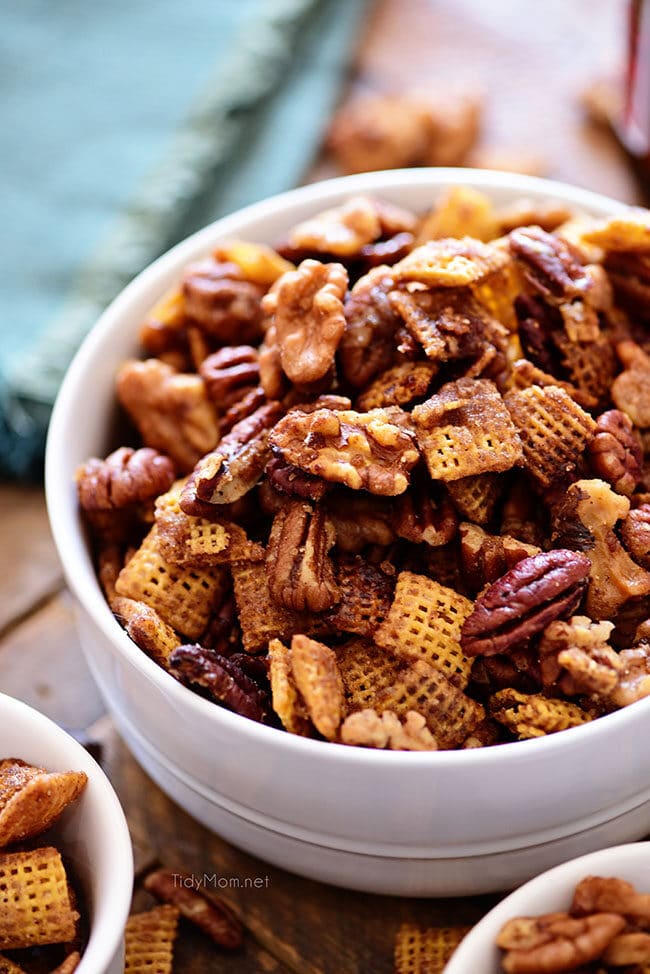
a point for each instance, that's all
(616, 451)
(238, 462)
(301, 574)
(212, 915)
(170, 409)
(524, 601)
(306, 311)
(360, 450)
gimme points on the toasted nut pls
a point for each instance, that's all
(301, 575)
(616, 451)
(556, 942)
(212, 915)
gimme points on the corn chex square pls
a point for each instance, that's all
(35, 903)
(533, 715)
(425, 950)
(424, 623)
(365, 670)
(183, 597)
(149, 941)
(475, 498)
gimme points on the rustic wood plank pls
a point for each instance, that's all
(308, 927)
(41, 662)
(30, 566)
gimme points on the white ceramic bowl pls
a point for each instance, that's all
(92, 832)
(549, 893)
(414, 824)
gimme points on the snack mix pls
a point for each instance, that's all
(606, 930)
(391, 481)
(41, 921)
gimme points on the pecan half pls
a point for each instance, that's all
(486, 557)
(223, 680)
(616, 452)
(556, 942)
(367, 346)
(213, 916)
(524, 601)
(550, 264)
(301, 575)
(306, 310)
(635, 533)
(361, 450)
(291, 480)
(238, 462)
(586, 519)
(124, 478)
(222, 302)
(230, 374)
(170, 409)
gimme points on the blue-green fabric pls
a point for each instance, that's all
(125, 125)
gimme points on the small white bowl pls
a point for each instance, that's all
(92, 832)
(549, 893)
(420, 824)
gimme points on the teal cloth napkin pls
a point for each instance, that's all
(126, 126)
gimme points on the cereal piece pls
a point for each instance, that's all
(623, 233)
(7, 966)
(631, 389)
(31, 800)
(533, 715)
(460, 212)
(183, 597)
(365, 594)
(451, 716)
(397, 386)
(476, 497)
(261, 617)
(146, 629)
(497, 293)
(258, 263)
(229, 472)
(221, 303)
(211, 915)
(222, 679)
(425, 950)
(35, 903)
(524, 374)
(590, 366)
(171, 410)
(553, 429)
(341, 231)
(449, 323)
(465, 429)
(305, 307)
(149, 941)
(300, 571)
(576, 656)
(367, 346)
(361, 450)
(318, 680)
(587, 518)
(367, 728)
(424, 622)
(486, 557)
(195, 542)
(365, 671)
(126, 477)
(451, 262)
(287, 701)
(520, 604)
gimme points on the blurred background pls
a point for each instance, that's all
(128, 125)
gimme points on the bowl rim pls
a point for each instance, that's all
(603, 862)
(106, 931)
(61, 497)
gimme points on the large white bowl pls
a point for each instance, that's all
(414, 824)
(92, 833)
(549, 893)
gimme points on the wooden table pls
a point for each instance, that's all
(532, 59)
